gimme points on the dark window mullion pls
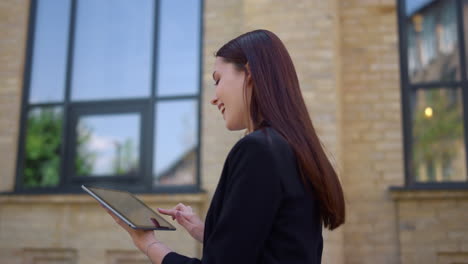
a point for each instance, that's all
(111, 102)
(66, 129)
(43, 105)
(24, 104)
(464, 86)
(93, 102)
(177, 97)
(433, 85)
(405, 91)
(200, 85)
(150, 133)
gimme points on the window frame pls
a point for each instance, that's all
(147, 106)
(80, 110)
(408, 89)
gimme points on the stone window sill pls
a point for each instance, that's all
(420, 193)
(198, 198)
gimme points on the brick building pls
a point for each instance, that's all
(385, 83)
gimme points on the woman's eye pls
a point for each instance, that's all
(216, 83)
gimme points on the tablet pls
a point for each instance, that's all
(129, 208)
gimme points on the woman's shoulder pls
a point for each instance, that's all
(266, 150)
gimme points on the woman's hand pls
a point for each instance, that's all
(143, 239)
(188, 219)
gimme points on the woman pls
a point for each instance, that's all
(277, 187)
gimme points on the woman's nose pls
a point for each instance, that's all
(214, 101)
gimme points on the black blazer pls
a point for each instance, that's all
(261, 212)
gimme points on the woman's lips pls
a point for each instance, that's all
(221, 108)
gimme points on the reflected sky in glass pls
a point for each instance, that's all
(414, 5)
(438, 136)
(113, 49)
(176, 133)
(178, 47)
(50, 51)
(108, 144)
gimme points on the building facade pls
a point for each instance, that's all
(117, 93)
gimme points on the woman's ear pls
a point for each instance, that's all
(248, 74)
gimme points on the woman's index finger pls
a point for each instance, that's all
(167, 211)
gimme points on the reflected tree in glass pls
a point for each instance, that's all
(125, 160)
(43, 140)
(438, 150)
(85, 159)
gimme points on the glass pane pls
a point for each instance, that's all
(49, 55)
(108, 145)
(178, 47)
(465, 26)
(113, 49)
(42, 148)
(176, 142)
(438, 141)
(433, 50)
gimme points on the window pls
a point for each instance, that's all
(434, 91)
(112, 96)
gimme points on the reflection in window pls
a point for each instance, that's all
(50, 51)
(438, 137)
(108, 145)
(465, 26)
(113, 49)
(178, 47)
(176, 142)
(43, 140)
(432, 41)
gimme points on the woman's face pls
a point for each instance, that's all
(229, 95)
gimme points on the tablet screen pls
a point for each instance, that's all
(134, 210)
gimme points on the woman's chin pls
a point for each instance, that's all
(234, 127)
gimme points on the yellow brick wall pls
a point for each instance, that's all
(54, 225)
(13, 25)
(309, 30)
(432, 226)
(372, 132)
(222, 21)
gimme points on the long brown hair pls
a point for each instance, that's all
(276, 97)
